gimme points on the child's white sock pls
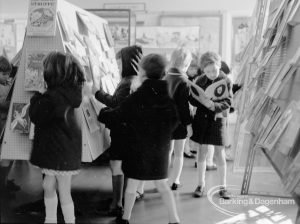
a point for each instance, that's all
(51, 209)
(68, 212)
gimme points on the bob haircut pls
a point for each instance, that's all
(5, 66)
(209, 58)
(62, 70)
(180, 58)
(154, 66)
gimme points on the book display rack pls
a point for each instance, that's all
(56, 25)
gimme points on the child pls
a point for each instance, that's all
(178, 86)
(125, 58)
(6, 75)
(209, 124)
(151, 117)
(57, 142)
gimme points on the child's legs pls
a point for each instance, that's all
(141, 186)
(221, 161)
(201, 166)
(50, 198)
(116, 167)
(117, 183)
(5, 166)
(178, 160)
(130, 195)
(168, 198)
(210, 155)
(65, 198)
(171, 151)
(187, 146)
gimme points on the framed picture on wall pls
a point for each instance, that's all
(209, 25)
(239, 38)
(121, 23)
(168, 36)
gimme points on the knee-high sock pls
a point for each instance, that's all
(68, 212)
(201, 168)
(177, 168)
(169, 201)
(117, 185)
(129, 203)
(210, 156)
(222, 175)
(51, 209)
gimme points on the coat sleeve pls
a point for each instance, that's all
(225, 103)
(183, 105)
(114, 100)
(111, 117)
(41, 109)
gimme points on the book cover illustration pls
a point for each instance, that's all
(20, 122)
(90, 115)
(42, 18)
(218, 90)
(34, 78)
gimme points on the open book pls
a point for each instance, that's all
(215, 91)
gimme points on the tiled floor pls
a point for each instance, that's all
(92, 188)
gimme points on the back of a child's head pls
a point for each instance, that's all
(5, 65)
(209, 58)
(180, 58)
(154, 66)
(62, 70)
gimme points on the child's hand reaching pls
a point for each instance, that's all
(136, 62)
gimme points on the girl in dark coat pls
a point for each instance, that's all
(151, 117)
(125, 58)
(209, 124)
(179, 91)
(57, 142)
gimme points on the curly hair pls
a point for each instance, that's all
(209, 58)
(62, 70)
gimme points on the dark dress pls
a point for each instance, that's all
(151, 117)
(179, 91)
(57, 143)
(117, 145)
(209, 127)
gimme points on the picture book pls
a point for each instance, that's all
(41, 18)
(108, 35)
(67, 31)
(34, 78)
(85, 24)
(90, 115)
(287, 139)
(20, 122)
(279, 127)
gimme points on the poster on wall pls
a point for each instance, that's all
(168, 36)
(210, 29)
(240, 38)
(8, 45)
(42, 18)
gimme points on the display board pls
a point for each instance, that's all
(70, 29)
(271, 112)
